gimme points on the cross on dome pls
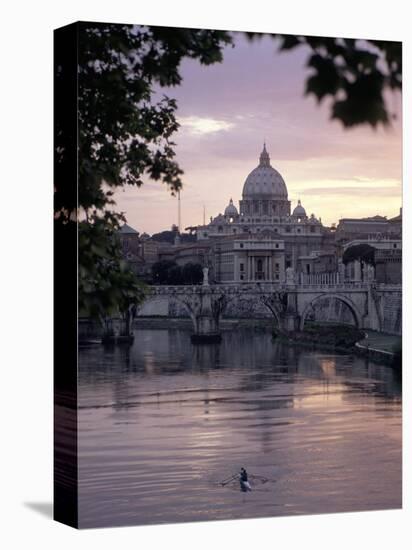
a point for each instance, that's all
(264, 159)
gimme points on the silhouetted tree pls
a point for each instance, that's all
(164, 237)
(175, 275)
(170, 236)
(362, 252)
(353, 74)
(161, 271)
(124, 132)
(192, 274)
(168, 272)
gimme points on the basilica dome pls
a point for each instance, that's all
(231, 210)
(264, 181)
(299, 211)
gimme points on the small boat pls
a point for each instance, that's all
(245, 486)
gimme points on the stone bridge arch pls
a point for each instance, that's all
(165, 300)
(303, 309)
(153, 305)
(265, 302)
(273, 303)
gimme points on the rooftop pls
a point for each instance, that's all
(126, 229)
(376, 218)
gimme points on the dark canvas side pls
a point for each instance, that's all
(65, 277)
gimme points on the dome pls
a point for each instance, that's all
(264, 181)
(219, 219)
(231, 210)
(299, 211)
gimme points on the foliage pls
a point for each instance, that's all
(339, 336)
(175, 275)
(362, 252)
(170, 236)
(167, 272)
(192, 274)
(124, 134)
(125, 126)
(106, 283)
(353, 74)
(161, 271)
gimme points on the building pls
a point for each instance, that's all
(139, 251)
(197, 253)
(379, 243)
(318, 261)
(387, 256)
(353, 228)
(388, 266)
(129, 239)
(262, 238)
(248, 259)
(395, 225)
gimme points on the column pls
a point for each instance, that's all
(357, 266)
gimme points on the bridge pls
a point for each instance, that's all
(289, 303)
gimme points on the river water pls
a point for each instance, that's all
(163, 422)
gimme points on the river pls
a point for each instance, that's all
(162, 423)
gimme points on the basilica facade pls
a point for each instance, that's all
(262, 238)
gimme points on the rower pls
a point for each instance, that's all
(244, 483)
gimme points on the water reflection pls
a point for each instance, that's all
(163, 421)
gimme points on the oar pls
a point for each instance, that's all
(226, 481)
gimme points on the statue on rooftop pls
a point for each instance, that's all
(290, 276)
(205, 276)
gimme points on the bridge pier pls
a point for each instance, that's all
(206, 321)
(373, 321)
(117, 330)
(290, 322)
(290, 319)
(206, 337)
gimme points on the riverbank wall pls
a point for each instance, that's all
(182, 322)
(90, 331)
(377, 355)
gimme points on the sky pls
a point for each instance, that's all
(256, 94)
